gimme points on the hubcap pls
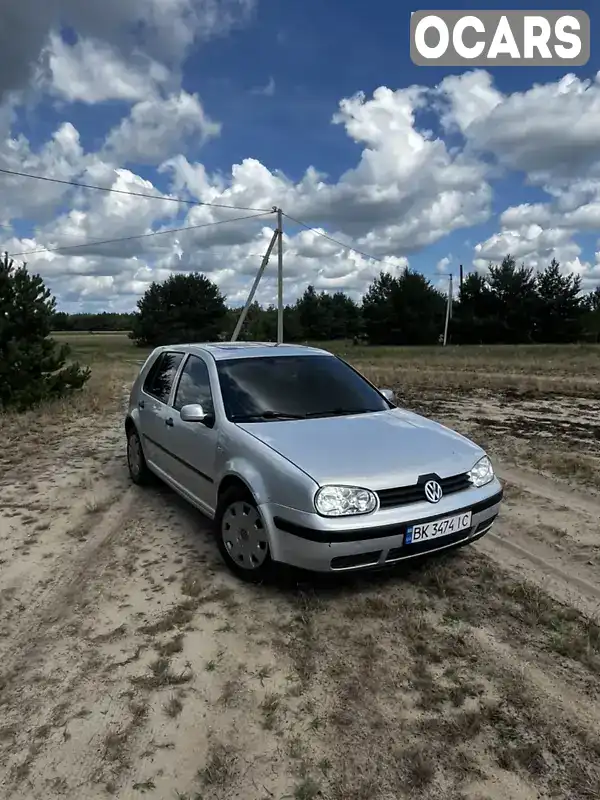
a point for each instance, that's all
(244, 535)
(134, 455)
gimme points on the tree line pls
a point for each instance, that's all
(510, 304)
(92, 323)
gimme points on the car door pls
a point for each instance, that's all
(194, 443)
(154, 409)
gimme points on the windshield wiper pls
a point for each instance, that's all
(265, 415)
(342, 412)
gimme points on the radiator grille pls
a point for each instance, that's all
(405, 495)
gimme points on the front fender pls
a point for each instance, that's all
(243, 470)
(272, 479)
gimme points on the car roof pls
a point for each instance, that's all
(222, 351)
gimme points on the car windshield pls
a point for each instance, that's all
(294, 387)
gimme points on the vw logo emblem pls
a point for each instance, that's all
(433, 491)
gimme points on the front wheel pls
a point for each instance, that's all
(242, 537)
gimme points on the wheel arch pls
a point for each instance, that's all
(240, 471)
(232, 481)
(130, 425)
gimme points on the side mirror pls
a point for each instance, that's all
(193, 413)
(388, 394)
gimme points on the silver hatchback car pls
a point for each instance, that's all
(300, 460)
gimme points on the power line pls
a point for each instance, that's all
(132, 238)
(341, 244)
(110, 190)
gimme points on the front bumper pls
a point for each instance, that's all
(315, 543)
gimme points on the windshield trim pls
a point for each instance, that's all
(254, 419)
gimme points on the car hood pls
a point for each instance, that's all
(377, 451)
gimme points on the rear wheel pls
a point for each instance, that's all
(138, 469)
(242, 537)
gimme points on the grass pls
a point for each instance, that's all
(144, 786)
(301, 643)
(308, 789)
(523, 610)
(417, 767)
(221, 766)
(177, 616)
(413, 701)
(191, 585)
(231, 690)
(160, 675)
(269, 708)
(263, 673)
(545, 359)
(521, 367)
(171, 646)
(173, 707)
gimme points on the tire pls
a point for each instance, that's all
(243, 542)
(136, 463)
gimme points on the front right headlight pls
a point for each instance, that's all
(482, 473)
(344, 501)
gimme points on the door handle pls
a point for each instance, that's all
(169, 422)
(141, 404)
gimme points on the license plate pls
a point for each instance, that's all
(437, 529)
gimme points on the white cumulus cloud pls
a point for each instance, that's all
(91, 71)
(407, 189)
(154, 128)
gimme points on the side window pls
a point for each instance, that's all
(194, 386)
(160, 379)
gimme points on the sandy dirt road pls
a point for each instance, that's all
(133, 665)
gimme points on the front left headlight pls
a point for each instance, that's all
(482, 473)
(344, 501)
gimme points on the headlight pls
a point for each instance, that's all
(343, 501)
(482, 473)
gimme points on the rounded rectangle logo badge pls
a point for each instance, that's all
(494, 38)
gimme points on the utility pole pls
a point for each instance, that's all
(448, 310)
(461, 276)
(280, 278)
(259, 275)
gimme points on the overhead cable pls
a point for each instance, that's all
(110, 190)
(95, 243)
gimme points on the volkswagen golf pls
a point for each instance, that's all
(298, 459)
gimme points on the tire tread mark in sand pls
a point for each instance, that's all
(557, 492)
(586, 589)
(38, 620)
(543, 564)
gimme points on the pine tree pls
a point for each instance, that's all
(403, 310)
(33, 367)
(560, 308)
(312, 316)
(184, 308)
(515, 302)
(475, 317)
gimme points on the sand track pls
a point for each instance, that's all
(133, 665)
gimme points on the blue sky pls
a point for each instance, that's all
(273, 81)
(318, 52)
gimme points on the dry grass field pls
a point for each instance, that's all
(132, 665)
